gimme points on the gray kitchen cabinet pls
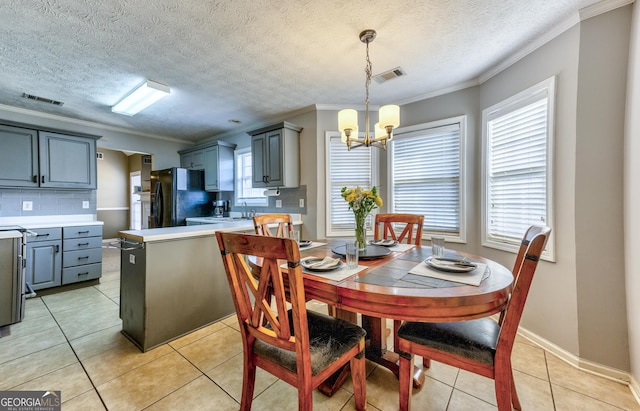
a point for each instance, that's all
(216, 159)
(44, 258)
(18, 157)
(193, 160)
(275, 156)
(218, 167)
(82, 253)
(37, 158)
(67, 161)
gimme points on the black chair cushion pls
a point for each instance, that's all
(329, 339)
(475, 339)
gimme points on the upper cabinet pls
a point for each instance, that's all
(36, 158)
(275, 156)
(193, 160)
(216, 159)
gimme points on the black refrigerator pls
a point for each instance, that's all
(176, 194)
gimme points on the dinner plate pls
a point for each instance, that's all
(304, 243)
(450, 265)
(308, 262)
(384, 243)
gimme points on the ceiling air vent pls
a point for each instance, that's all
(388, 75)
(42, 99)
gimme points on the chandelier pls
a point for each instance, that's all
(389, 116)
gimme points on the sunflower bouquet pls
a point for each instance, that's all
(361, 202)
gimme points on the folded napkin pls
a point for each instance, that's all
(326, 262)
(386, 243)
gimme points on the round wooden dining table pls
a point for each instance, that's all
(383, 288)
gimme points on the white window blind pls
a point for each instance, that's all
(345, 169)
(244, 191)
(425, 169)
(517, 171)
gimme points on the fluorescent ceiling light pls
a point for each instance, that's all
(141, 98)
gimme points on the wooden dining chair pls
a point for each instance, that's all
(481, 346)
(410, 229)
(283, 229)
(386, 227)
(303, 348)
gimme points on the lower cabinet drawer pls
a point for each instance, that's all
(81, 273)
(44, 234)
(81, 257)
(81, 243)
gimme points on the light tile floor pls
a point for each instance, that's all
(70, 341)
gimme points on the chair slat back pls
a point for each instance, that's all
(384, 227)
(284, 228)
(262, 319)
(532, 246)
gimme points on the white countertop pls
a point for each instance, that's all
(175, 233)
(10, 234)
(31, 222)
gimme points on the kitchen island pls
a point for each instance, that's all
(172, 281)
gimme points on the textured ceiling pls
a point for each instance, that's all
(251, 60)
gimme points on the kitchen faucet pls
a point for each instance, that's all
(246, 213)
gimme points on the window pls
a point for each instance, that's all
(517, 191)
(426, 164)
(244, 191)
(345, 169)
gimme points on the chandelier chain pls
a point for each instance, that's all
(367, 71)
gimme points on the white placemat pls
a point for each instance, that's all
(473, 278)
(313, 244)
(337, 275)
(400, 248)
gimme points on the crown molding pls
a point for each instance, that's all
(583, 14)
(85, 123)
(601, 8)
(456, 87)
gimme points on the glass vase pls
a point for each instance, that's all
(361, 233)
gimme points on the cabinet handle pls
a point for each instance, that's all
(83, 244)
(42, 179)
(83, 232)
(83, 258)
(79, 274)
(57, 248)
(35, 179)
(42, 235)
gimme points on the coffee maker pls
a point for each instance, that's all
(221, 208)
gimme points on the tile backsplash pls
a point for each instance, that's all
(46, 202)
(290, 198)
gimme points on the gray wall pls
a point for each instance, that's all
(569, 304)
(602, 75)
(551, 310)
(113, 192)
(632, 199)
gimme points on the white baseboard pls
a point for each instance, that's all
(635, 389)
(610, 373)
